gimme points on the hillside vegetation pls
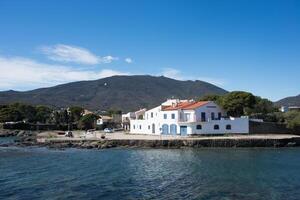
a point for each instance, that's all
(126, 93)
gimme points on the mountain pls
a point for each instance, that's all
(289, 101)
(127, 93)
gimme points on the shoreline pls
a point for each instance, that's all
(27, 138)
(175, 143)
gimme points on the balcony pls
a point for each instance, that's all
(187, 118)
(193, 119)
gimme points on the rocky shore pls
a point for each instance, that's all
(29, 138)
(205, 143)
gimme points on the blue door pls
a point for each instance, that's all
(183, 130)
(165, 129)
(173, 129)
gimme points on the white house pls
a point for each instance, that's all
(289, 108)
(103, 119)
(187, 117)
(126, 118)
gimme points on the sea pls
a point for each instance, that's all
(136, 173)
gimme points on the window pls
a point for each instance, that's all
(133, 126)
(187, 117)
(219, 115)
(153, 128)
(198, 127)
(173, 116)
(212, 116)
(140, 127)
(165, 116)
(149, 127)
(216, 127)
(152, 115)
(203, 117)
(228, 127)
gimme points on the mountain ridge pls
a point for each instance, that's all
(289, 101)
(115, 92)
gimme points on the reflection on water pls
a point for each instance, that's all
(38, 173)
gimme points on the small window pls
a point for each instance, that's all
(212, 116)
(228, 127)
(140, 127)
(165, 116)
(219, 115)
(173, 116)
(216, 127)
(149, 127)
(133, 126)
(152, 115)
(198, 127)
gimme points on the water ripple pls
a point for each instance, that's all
(39, 173)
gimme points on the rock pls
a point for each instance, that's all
(291, 144)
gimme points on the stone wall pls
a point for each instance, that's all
(270, 127)
(205, 143)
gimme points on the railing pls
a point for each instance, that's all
(192, 118)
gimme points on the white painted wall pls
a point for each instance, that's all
(151, 117)
(157, 117)
(238, 125)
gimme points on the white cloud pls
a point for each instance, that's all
(22, 74)
(176, 74)
(128, 60)
(68, 53)
(172, 73)
(107, 59)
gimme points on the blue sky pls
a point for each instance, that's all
(237, 45)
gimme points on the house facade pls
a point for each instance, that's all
(187, 117)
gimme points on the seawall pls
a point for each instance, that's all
(173, 143)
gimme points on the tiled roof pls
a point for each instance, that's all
(185, 105)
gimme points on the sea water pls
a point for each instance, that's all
(257, 173)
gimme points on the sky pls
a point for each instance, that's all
(237, 45)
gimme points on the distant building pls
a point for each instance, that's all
(186, 117)
(86, 112)
(102, 120)
(126, 118)
(289, 108)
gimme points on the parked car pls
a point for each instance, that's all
(68, 134)
(108, 130)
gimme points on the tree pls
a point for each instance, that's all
(237, 103)
(210, 97)
(76, 113)
(112, 112)
(43, 114)
(28, 111)
(9, 114)
(262, 106)
(292, 119)
(88, 121)
(17, 112)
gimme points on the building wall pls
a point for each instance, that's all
(237, 125)
(151, 118)
(208, 109)
(162, 121)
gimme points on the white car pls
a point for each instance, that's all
(68, 134)
(108, 130)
